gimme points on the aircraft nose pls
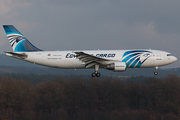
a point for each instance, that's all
(174, 59)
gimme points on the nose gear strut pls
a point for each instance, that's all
(155, 73)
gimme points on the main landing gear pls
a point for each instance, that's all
(155, 73)
(96, 73)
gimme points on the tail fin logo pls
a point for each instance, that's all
(19, 38)
(18, 42)
(15, 39)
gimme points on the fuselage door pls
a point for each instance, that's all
(158, 56)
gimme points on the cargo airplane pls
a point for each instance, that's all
(115, 60)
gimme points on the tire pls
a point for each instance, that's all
(93, 75)
(98, 74)
(155, 73)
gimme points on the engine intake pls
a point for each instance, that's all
(117, 67)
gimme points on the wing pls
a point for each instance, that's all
(91, 60)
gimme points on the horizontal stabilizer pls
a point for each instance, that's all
(17, 55)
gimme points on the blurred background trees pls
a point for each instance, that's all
(84, 98)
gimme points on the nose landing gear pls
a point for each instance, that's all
(155, 73)
(96, 73)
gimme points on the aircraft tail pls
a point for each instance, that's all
(18, 42)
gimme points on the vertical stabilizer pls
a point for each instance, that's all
(18, 42)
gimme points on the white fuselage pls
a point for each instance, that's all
(68, 60)
(116, 60)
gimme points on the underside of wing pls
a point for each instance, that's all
(91, 60)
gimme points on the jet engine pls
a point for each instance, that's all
(117, 67)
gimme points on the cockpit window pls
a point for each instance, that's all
(169, 54)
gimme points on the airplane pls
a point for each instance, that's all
(115, 60)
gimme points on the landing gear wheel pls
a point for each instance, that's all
(98, 74)
(93, 74)
(155, 73)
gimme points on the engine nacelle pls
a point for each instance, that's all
(117, 67)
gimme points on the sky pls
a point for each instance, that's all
(94, 24)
